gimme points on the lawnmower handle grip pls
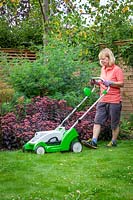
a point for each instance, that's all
(97, 78)
(101, 79)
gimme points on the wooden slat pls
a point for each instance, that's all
(126, 81)
(8, 50)
(21, 57)
(127, 106)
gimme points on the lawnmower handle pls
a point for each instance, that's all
(101, 79)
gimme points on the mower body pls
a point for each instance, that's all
(54, 141)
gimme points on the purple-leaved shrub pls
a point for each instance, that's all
(43, 114)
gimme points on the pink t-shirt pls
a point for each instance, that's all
(114, 74)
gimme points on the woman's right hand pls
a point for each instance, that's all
(94, 82)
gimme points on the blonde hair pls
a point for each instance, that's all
(107, 53)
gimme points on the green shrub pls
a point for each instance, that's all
(63, 76)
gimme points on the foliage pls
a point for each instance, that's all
(8, 96)
(126, 127)
(42, 114)
(102, 27)
(92, 174)
(14, 10)
(107, 28)
(16, 98)
(126, 52)
(6, 37)
(6, 91)
(23, 33)
(63, 76)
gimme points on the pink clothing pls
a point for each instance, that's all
(114, 74)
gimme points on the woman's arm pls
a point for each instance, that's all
(117, 84)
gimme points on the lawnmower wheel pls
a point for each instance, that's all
(40, 150)
(76, 147)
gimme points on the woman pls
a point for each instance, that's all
(110, 105)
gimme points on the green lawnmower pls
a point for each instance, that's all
(60, 139)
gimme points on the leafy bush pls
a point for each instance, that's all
(63, 76)
(42, 114)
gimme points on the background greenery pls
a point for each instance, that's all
(66, 46)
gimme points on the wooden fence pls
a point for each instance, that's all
(18, 53)
(127, 91)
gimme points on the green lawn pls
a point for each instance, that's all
(102, 174)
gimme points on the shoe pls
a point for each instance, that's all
(111, 144)
(90, 144)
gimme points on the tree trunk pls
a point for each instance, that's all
(45, 15)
